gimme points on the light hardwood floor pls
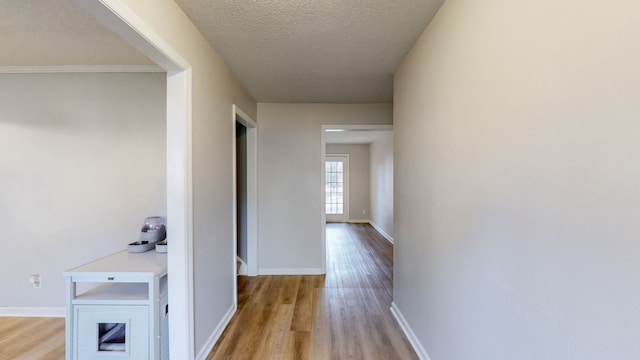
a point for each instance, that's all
(343, 315)
(31, 338)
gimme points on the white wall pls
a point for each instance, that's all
(359, 206)
(290, 203)
(82, 163)
(214, 90)
(516, 187)
(381, 153)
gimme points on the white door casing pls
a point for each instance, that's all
(252, 191)
(119, 18)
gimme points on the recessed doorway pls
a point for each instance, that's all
(245, 163)
(358, 189)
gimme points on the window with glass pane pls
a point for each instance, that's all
(334, 187)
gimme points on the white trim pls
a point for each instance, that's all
(252, 188)
(411, 336)
(180, 214)
(115, 15)
(359, 221)
(33, 312)
(274, 271)
(323, 151)
(80, 69)
(234, 204)
(357, 127)
(382, 232)
(323, 199)
(215, 335)
(245, 119)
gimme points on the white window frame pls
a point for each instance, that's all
(344, 217)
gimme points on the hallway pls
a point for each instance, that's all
(343, 315)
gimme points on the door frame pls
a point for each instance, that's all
(345, 183)
(323, 154)
(252, 194)
(119, 18)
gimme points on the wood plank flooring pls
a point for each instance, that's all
(31, 338)
(343, 315)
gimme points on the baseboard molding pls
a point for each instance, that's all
(33, 311)
(417, 346)
(382, 232)
(359, 221)
(271, 271)
(211, 341)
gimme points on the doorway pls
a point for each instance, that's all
(241, 198)
(245, 194)
(367, 186)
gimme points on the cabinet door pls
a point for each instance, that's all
(112, 332)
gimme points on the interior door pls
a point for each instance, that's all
(337, 188)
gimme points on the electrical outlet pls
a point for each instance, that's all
(34, 279)
(364, 212)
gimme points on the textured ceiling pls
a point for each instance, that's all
(323, 51)
(332, 51)
(58, 33)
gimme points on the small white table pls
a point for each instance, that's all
(129, 286)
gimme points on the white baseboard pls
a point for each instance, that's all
(382, 232)
(211, 341)
(271, 271)
(417, 346)
(359, 221)
(33, 311)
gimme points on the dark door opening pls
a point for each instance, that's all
(241, 197)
